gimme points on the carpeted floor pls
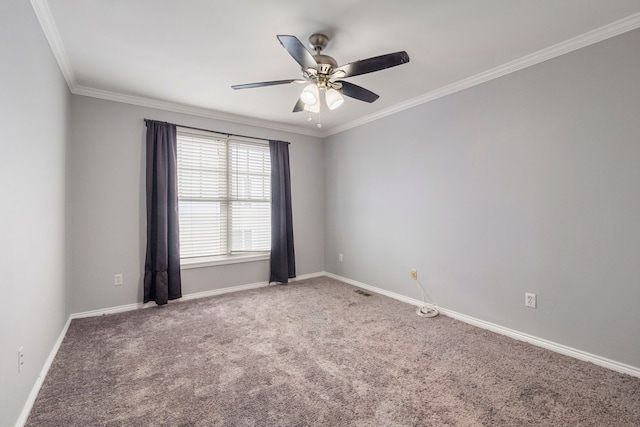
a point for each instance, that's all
(316, 353)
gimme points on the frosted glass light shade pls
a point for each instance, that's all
(334, 99)
(315, 108)
(310, 94)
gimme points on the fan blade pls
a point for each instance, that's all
(372, 64)
(357, 92)
(271, 83)
(297, 50)
(299, 106)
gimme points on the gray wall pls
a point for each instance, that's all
(108, 204)
(530, 182)
(33, 117)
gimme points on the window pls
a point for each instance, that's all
(224, 194)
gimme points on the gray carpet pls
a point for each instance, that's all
(316, 353)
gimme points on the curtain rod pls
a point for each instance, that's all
(214, 131)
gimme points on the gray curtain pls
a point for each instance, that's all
(283, 263)
(162, 280)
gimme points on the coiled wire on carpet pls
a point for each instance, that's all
(426, 310)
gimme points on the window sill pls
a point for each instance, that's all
(186, 264)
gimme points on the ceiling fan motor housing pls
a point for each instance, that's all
(325, 63)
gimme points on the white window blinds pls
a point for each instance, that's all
(224, 193)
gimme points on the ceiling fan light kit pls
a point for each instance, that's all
(333, 98)
(310, 94)
(315, 108)
(321, 72)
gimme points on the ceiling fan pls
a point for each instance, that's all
(322, 73)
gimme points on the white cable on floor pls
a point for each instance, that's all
(425, 310)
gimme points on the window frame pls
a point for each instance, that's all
(231, 257)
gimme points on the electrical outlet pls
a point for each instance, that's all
(20, 358)
(530, 300)
(414, 274)
(340, 257)
(118, 279)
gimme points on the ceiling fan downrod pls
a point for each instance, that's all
(325, 62)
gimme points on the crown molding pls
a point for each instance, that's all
(43, 13)
(599, 34)
(47, 23)
(187, 109)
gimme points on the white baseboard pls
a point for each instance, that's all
(521, 336)
(186, 297)
(26, 409)
(239, 288)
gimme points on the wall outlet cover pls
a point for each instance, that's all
(530, 300)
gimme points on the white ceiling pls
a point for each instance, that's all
(184, 55)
